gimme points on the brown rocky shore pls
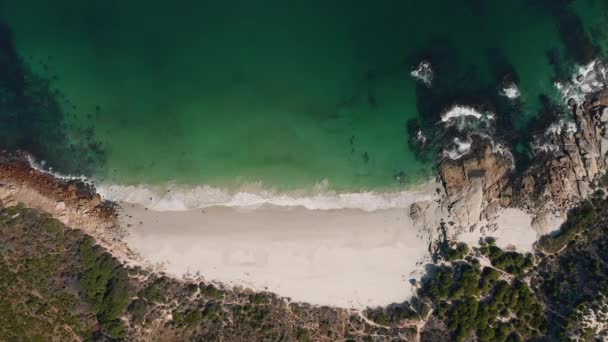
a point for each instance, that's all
(73, 202)
(483, 181)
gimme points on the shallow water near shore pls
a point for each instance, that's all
(283, 96)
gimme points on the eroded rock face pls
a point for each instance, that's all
(478, 184)
(560, 181)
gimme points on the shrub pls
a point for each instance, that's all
(105, 285)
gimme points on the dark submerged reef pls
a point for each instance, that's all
(34, 119)
(458, 82)
(461, 83)
(580, 49)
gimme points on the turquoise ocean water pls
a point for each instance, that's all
(284, 93)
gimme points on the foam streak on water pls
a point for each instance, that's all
(423, 73)
(41, 167)
(462, 147)
(586, 79)
(172, 197)
(465, 117)
(511, 91)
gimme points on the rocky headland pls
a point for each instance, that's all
(484, 181)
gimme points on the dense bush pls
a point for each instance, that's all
(473, 301)
(106, 285)
(578, 218)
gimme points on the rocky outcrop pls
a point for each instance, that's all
(558, 182)
(478, 184)
(74, 202)
(15, 171)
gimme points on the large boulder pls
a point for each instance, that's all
(478, 183)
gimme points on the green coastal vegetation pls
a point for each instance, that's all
(60, 284)
(491, 301)
(498, 295)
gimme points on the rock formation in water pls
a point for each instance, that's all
(483, 181)
(477, 184)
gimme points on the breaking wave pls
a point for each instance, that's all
(460, 148)
(557, 128)
(423, 73)
(465, 118)
(172, 197)
(41, 167)
(548, 141)
(511, 92)
(585, 80)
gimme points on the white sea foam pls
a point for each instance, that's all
(546, 143)
(41, 167)
(545, 147)
(171, 197)
(557, 128)
(511, 91)
(465, 117)
(461, 148)
(502, 150)
(459, 112)
(421, 137)
(587, 79)
(423, 73)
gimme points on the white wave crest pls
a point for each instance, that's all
(421, 137)
(587, 79)
(41, 167)
(557, 128)
(501, 149)
(466, 118)
(459, 112)
(171, 197)
(545, 148)
(548, 141)
(423, 73)
(460, 149)
(511, 91)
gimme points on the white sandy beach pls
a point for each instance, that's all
(364, 254)
(346, 258)
(352, 257)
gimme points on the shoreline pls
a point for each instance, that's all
(349, 258)
(182, 197)
(72, 201)
(77, 204)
